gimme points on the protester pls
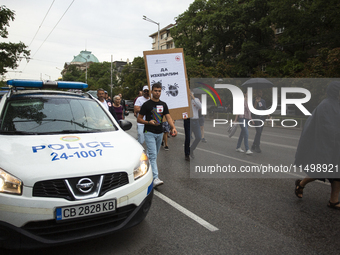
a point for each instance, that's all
(194, 123)
(107, 98)
(229, 109)
(139, 102)
(118, 107)
(122, 103)
(153, 110)
(243, 122)
(201, 122)
(140, 93)
(186, 124)
(320, 145)
(107, 105)
(259, 104)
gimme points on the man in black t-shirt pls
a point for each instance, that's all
(154, 110)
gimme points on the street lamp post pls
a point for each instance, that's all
(150, 20)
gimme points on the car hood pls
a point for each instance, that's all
(43, 157)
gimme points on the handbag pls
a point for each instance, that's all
(231, 130)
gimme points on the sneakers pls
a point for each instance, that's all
(192, 154)
(187, 158)
(162, 144)
(157, 182)
(166, 148)
(203, 140)
(248, 152)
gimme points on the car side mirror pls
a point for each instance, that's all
(125, 124)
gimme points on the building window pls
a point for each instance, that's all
(153, 39)
(279, 30)
(163, 36)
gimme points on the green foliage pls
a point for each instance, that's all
(195, 69)
(326, 64)
(98, 75)
(241, 36)
(72, 74)
(132, 78)
(237, 34)
(10, 53)
(128, 82)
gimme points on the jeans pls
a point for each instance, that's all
(186, 124)
(140, 134)
(196, 129)
(243, 134)
(153, 144)
(258, 133)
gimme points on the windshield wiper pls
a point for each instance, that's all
(80, 131)
(72, 131)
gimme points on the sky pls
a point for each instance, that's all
(58, 30)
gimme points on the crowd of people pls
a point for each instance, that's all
(319, 142)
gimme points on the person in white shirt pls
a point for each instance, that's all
(243, 120)
(138, 104)
(107, 104)
(194, 123)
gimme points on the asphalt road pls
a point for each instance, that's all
(242, 213)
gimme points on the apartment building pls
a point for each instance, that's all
(165, 41)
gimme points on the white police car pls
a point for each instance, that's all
(68, 171)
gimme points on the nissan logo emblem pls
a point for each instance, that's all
(85, 185)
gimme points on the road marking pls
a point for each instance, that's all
(191, 215)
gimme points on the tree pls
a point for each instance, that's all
(10, 53)
(73, 74)
(98, 75)
(132, 78)
(218, 30)
(308, 26)
(195, 69)
(242, 34)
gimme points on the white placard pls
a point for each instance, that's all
(168, 69)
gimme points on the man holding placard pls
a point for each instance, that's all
(154, 110)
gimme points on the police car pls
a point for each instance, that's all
(68, 171)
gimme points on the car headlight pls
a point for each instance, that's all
(9, 183)
(142, 168)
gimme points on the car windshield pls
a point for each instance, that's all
(54, 115)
